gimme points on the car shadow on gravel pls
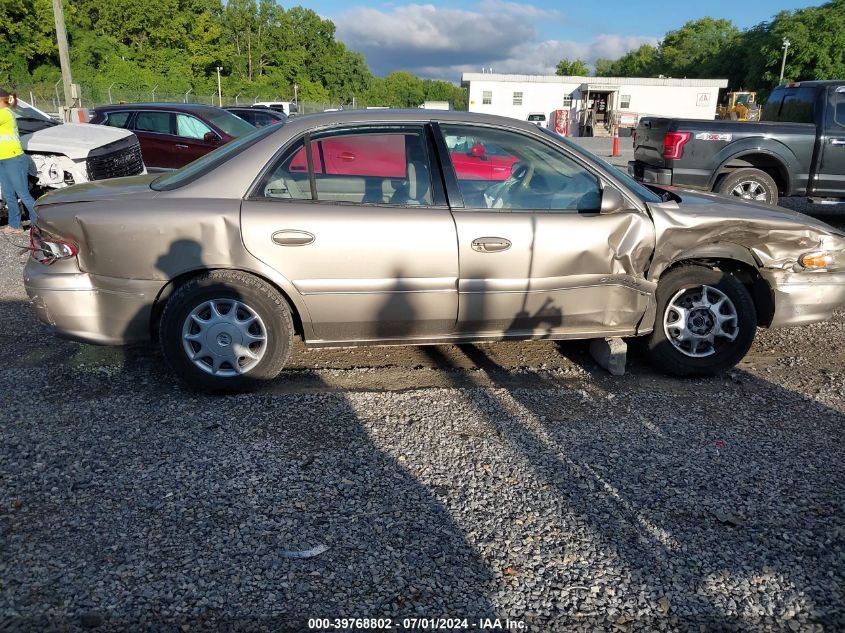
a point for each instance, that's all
(130, 503)
(697, 513)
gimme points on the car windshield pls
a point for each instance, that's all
(212, 160)
(229, 123)
(646, 195)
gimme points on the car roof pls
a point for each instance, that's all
(163, 105)
(813, 83)
(415, 115)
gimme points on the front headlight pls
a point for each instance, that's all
(823, 260)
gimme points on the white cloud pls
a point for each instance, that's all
(443, 42)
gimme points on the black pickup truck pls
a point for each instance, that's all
(798, 149)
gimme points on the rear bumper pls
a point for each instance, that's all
(646, 173)
(802, 298)
(90, 308)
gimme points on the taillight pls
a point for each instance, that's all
(673, 145)
(47, 250)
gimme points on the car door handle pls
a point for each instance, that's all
(837, 141)
(292, 237)
(490, 244)
(180, 146)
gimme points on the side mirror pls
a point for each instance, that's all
(478, 150)
(211, 137)
(611, 201)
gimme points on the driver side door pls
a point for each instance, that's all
(536, 259)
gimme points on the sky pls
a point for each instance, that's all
(443, 38)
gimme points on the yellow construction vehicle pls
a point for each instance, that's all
(739, 106)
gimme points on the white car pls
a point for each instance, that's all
(64, 154)
(288, 107)
(537, 118)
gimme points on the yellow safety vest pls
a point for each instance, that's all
(10, 140)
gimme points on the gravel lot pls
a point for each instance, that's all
(513, 480)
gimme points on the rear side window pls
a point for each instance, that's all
(838, 103)
(772, 107)
(797, 107)
(117, 119)
(366, 167)
(159, 122)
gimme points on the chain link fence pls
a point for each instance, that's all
(49, 101)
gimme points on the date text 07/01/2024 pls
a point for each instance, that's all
(423, 624)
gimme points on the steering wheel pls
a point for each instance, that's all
(501, 193)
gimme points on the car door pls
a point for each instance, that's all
(192, 138)
(830, 177)
(357, 220)
(536, 257)
(155, 132)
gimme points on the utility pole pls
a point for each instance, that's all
(219, 89)
(64, 55)
(786, 44)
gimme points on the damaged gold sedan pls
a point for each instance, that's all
(393, 227)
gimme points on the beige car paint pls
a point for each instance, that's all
(382, 274)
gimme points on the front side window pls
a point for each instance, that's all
(538, 176)
(373, 167)
(191, 127)
(158, 122)
(487, 97)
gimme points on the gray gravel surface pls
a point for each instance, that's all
(513, 480)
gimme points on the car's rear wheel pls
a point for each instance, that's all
(753, 185)
(705, 323)
(226, 331)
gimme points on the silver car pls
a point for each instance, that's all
(393, 227)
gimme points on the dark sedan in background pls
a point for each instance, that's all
(258, 116)
(174, 134)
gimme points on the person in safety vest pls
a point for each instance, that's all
(14, 166)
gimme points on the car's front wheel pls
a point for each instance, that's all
(705, 323)
(226, 331)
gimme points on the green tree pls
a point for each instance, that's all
(604, 67)
(692, 50)
(575, 68)
(641, 62)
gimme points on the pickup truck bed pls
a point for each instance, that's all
(760, 161)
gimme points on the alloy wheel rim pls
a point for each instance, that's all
(699, 320)
(224, 337)
(750, 190)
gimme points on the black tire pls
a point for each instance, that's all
(256, 297)
(750, 180)
(667, 357)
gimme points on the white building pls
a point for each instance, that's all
(518, 96)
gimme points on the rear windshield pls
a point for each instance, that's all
(207, 163)
(536, 117)
(229, 123)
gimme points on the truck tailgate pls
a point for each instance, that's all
(648, 146)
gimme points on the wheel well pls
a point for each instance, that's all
(173, 284)
(763, 162)
(748, 275)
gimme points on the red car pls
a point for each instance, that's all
(173, 134)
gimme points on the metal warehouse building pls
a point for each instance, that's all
(590, 103)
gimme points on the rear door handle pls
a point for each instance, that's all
(490, 244)
(180, 146)
(837, 141)
(292, 237)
